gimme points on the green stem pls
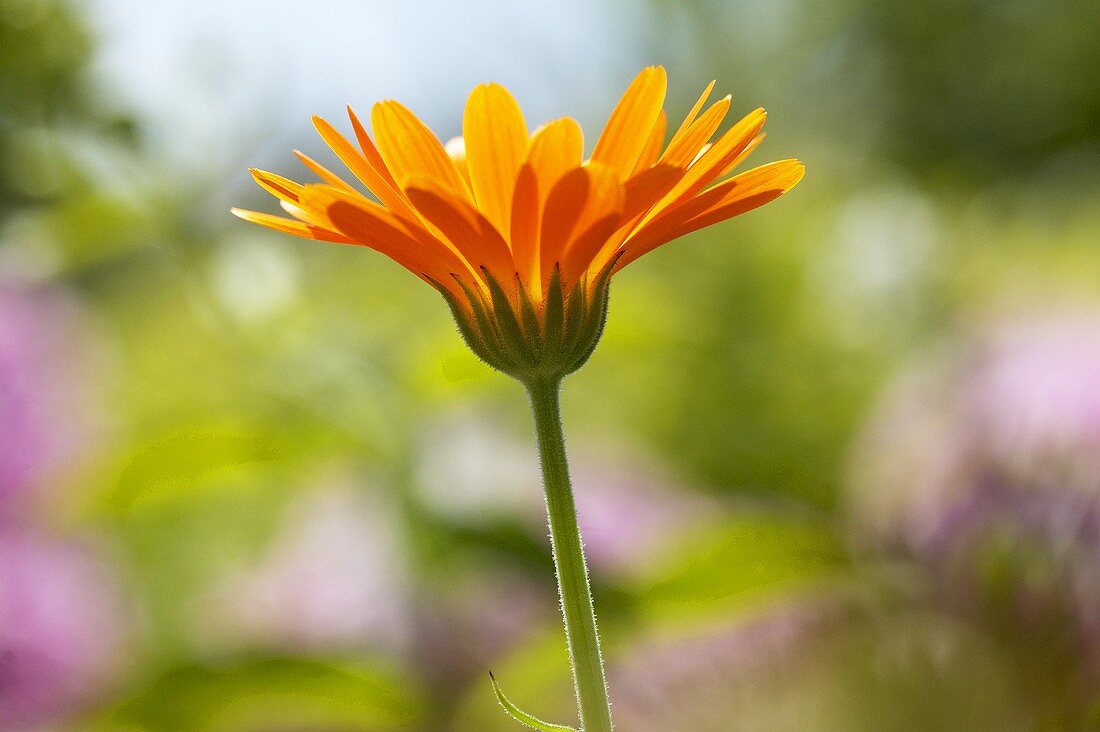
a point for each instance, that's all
(565, 539)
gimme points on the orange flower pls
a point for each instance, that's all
(506, 217)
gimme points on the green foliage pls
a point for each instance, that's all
(758, 393)
(265, 695)
(732, 566)
(949, 90)
(44, 53)
(972, 102)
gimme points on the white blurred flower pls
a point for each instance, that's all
(333, 578)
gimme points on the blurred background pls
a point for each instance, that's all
(837, 461)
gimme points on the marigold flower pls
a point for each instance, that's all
(517, 230)
(521, 235)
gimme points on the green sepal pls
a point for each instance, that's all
(468, 330)
(507, 323)
(510, 333)
(574, 317)
(597, 317)
(491, 343)
(523, 717)
(530, 318)
(554, 313)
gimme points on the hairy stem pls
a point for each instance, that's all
(572, 571)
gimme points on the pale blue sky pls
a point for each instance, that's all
(213, 74)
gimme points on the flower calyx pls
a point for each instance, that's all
(527, 339)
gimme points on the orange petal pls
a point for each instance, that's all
(710, 206)
(730, 198)
(322, 172)
(645, 189)
(694, 111)
(683, 150)
(526, 216)
(621, 143)
(467, 228)
(496, 143)
(653, 145)
(580, 203)
(555, 149)
(588, 243)
(456, 148)
(370, 152)
(740, 157)
(304, 215)
(712, 162)
(641, 192)
(282, 188)
(410, 149)
(563, 209)
(371, 225)
(377, 181)
(289, 226)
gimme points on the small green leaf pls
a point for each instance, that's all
(523, 717)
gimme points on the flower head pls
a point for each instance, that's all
(517, 230)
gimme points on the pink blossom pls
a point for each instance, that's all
(60, 628)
